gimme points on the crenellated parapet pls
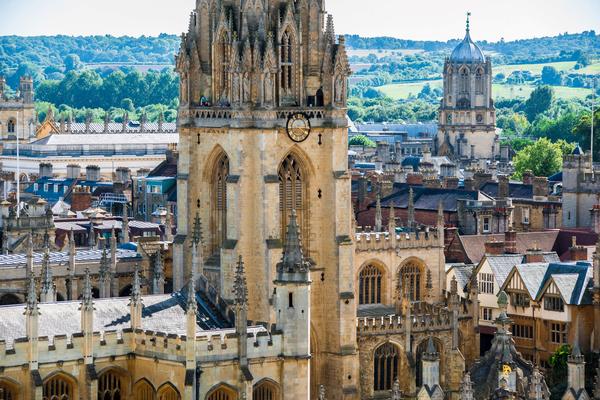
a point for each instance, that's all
(382, 241)
(211, 346)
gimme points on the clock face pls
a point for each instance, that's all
(298, 127)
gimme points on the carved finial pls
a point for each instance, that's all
(322, 392)
(293, 258)
(191, 304)
(86, 300)
(136, 287)
(32, 301)
(396, 392)
(411, 209)
(197, 230)
(466, 387)
(392, 219)
(240, 289)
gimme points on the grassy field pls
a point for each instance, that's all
(404, 90)
(382, 53)
(535, 69)
(590, 69)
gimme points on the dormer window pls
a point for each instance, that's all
(518, 299)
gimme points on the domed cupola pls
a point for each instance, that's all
(467, 52)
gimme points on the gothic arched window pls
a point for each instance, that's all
(464, 81)
(369, 285)
(411, 281)
(143, 390)
(11, 126)
(109, 386)
(286, 54)
(219, 203)
(479, 81)
(222, 393)
(292, 196)
(57, 388)
(7, 391)
(385, 367)
(168, 392)
(265, 390)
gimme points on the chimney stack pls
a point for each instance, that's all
(510, 241)
(577, 253)
(495, 248)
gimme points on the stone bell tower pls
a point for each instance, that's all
(467, 117)
(263, 132)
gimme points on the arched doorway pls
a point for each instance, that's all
(9, 298)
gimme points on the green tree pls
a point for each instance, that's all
(556, 377)
(539, 101)
(551, 76)
(543, 158)
(72, 62)
(582, 132)
(361, 140)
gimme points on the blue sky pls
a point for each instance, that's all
(410, 19)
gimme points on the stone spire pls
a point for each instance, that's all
(392, 220)
(87, 319)
(240, 289)
(411, 209)
(125, 225)
(197, 259)
(32, 313)
(293, 265)
(135, 301)
(330, 30)
(466, 387)
(104, 275)
(576, 366)
(158, 274)
(48, 294)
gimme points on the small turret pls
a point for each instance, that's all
(292, 294)
(71, 285)
(125, 226)
(392, 221)
(26, 89)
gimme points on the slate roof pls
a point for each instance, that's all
(515, 190)
(501, 265)
(132, 126)
(161, 313)
(426, 198)
(474, 245)
(62, 257)
(532, 275)
(578, 273)
(463, 274)
(109, 139)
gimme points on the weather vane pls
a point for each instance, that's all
(468, 15)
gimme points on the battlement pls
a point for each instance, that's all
(369, 241)
(213, 345)
(424, 317)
